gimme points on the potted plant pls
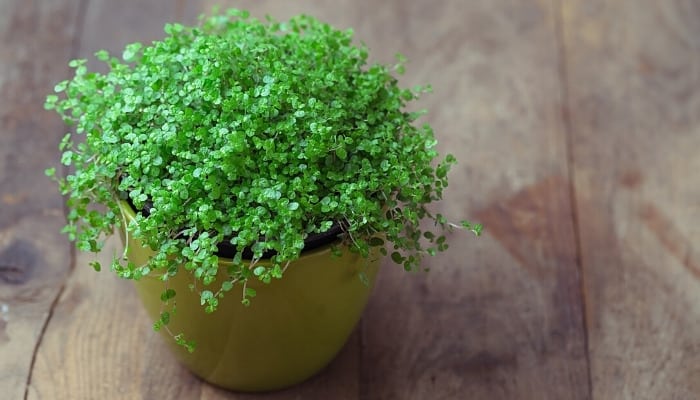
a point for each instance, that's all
(256, 172)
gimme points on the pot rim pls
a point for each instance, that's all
(129, 214)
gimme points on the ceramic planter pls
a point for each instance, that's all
(292, 329)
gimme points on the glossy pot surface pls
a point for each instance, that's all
(292, 329)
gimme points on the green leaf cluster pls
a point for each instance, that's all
(255, 132)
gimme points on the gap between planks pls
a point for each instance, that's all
(562, 71)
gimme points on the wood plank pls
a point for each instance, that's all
(99, 336)
(634, 99)
(34, 257)
(112, 352)
(505, 324)
(484, 323)
(102, 341)
(481, 323)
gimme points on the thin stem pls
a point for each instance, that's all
(126, 233)
(245, 284)
(285, 267)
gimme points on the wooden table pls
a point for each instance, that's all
(577, 127)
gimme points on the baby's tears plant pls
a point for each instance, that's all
(256, 133)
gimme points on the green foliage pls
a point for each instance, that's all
(262, 132)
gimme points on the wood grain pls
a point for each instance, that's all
(493, 323)
(577, 127)
(34, 258)
(633, 77)
(99, 336)
(497, 318)
(460, 329)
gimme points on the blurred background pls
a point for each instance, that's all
(576, 125)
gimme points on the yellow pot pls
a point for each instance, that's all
(292, 329)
